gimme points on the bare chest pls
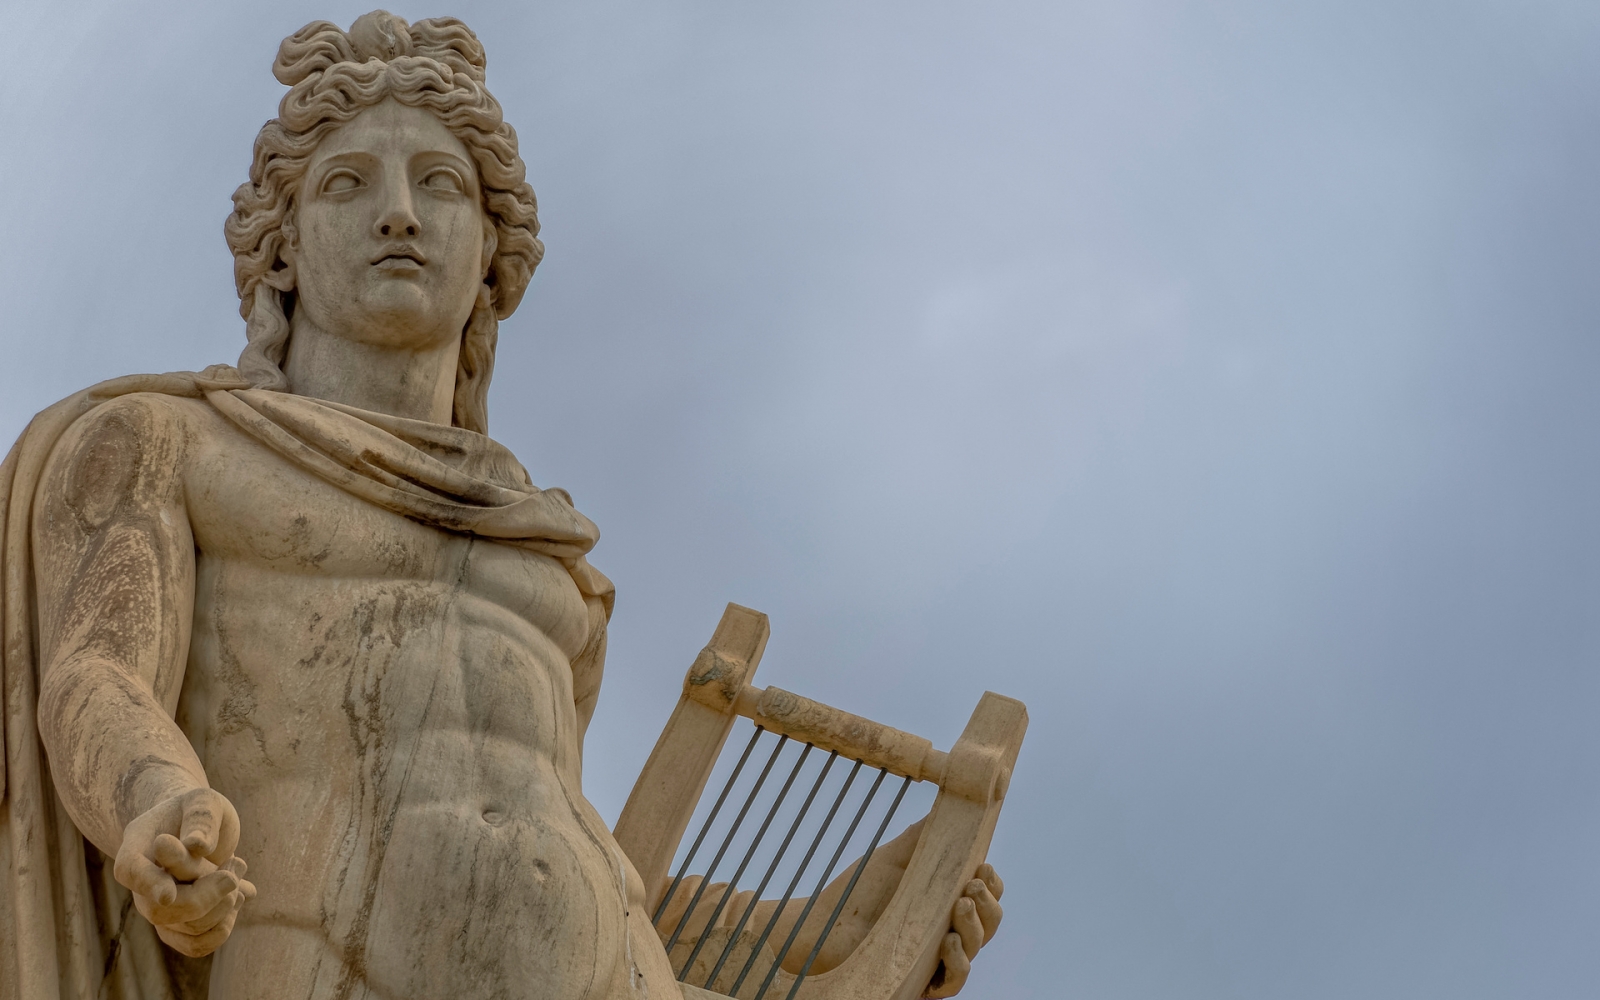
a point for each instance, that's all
(328, 629)
(249, 508)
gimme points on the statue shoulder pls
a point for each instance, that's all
(130, 450)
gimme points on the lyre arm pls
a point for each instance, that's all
(828, 728)
(664, 798)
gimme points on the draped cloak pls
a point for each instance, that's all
(68, 930)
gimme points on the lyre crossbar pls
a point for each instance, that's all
(819, 781)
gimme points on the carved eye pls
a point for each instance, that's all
(444, 179)
(341, 181)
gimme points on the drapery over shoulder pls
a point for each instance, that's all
(67, 929)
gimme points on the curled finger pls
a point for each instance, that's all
(991, 878)
(226, 907)
(144, 877)
(196, 900)
(953, 968)
(170, 854)
(197, 945)
(964, 921)
(210, 825)
(238, 868)
(989, 911)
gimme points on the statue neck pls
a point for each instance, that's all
(419, 384)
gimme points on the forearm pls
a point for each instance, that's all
(871, 894)
(114, 752)
(817, 912)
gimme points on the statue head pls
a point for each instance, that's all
(334, 77)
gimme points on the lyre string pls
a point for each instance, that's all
(777, 858)
(799, 873)
(750, 852)
(821, 883)
(861, 866)
(705, 828)
(726, 841)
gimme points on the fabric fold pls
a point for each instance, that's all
(406, 466)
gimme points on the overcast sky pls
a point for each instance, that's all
(1217, 378)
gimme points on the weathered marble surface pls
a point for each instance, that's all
(295, 643)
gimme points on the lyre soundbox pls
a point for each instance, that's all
(793, 829)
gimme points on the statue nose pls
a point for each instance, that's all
(398, 220)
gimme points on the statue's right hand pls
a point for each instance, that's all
(177, 858)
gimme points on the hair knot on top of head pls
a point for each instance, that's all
(380, 35)
(333, 75)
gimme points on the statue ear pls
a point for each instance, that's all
(491, 243)
(281, 276)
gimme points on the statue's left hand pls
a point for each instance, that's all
(973, 921)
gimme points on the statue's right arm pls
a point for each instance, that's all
(114, 563)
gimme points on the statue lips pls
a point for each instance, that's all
(401, 259)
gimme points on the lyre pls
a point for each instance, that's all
(899, 954)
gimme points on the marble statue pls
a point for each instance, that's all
(297, 660)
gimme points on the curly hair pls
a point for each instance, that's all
(333, 76)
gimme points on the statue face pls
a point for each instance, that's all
(391, 231)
